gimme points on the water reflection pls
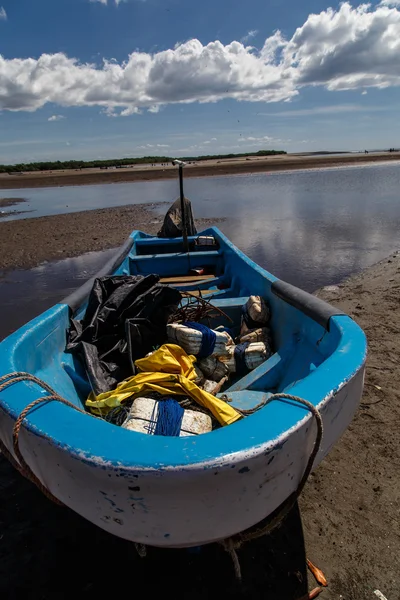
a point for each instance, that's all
(213, 196)
(55, 201)
(311, 228)
(315, 228)
(25, 294)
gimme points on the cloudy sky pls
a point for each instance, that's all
(112, 78)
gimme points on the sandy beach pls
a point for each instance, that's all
(208, 168)
(350, 508)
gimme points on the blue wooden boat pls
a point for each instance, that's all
(177, 492)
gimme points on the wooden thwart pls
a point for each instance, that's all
(177, 279)
(202, 292)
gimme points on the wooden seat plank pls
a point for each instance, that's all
(200, 292)
(177, 279)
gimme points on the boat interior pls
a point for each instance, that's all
(216, 271)
(310, 344)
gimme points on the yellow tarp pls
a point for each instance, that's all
(169, 370)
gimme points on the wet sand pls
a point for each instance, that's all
(7, 202)
(348, 524)
(26, 243)
(214, 167)
(351, 505)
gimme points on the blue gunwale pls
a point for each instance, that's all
(101, 444)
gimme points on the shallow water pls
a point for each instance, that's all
(225, 191)
(26, 293)
(311, 228)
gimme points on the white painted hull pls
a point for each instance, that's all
(191, 505)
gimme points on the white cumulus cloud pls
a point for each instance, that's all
(192, 72)
(56, 118)
(347, 48)
(3, 14)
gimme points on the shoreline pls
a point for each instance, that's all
(209, 168)
(353, 496)
(72, 234)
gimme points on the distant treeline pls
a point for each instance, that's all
(119, 162)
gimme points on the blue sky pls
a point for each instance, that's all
(98, 79)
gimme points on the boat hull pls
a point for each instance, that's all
(189, 505)
(180, 492)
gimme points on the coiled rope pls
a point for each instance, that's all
(21, 465)
(169, 417)
(232, 544)
(239, 355)
(208, 338)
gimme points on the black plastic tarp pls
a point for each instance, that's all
(125, 318)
